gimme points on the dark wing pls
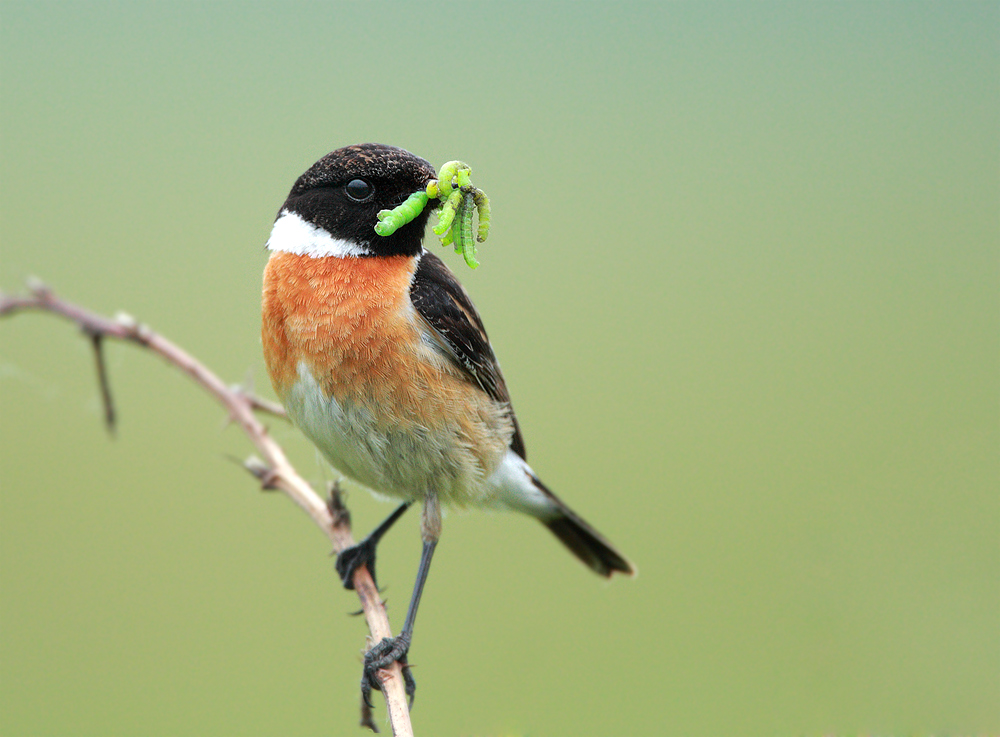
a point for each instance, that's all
(447, 309)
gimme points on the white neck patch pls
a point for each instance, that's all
(292, 234)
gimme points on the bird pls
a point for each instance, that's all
(380, 358)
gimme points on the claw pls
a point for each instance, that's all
(382, 655)
(409, 685)
(351, 559)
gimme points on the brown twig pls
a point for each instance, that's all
(259, 403)
(274, 471)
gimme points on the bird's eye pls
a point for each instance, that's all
(359, 190)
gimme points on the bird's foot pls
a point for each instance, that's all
(363, 554)
(382, 655)
(351, 559)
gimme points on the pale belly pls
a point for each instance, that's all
(404, 457)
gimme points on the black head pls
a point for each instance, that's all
(343, 192)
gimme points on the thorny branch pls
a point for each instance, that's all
(274, 471)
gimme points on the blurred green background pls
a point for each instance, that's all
(747, 306)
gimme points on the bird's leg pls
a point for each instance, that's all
(393, 649)
(351, 559)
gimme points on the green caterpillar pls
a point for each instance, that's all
(458, 197)
(465, 243)
(483, 206)
(389, 221)
(448, 212)
(448, 172)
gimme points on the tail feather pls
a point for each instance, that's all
(584, 541)
(588, 545)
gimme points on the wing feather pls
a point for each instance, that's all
(446, 308)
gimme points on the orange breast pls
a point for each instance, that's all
(347, 319)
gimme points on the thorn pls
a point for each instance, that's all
(268, 481)
(268, 476)
(126, 321)
(244, 388)
(240, 462)
(230, 418)
(366, 717)
(96, 340)
(335, 503)
(38, 288)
